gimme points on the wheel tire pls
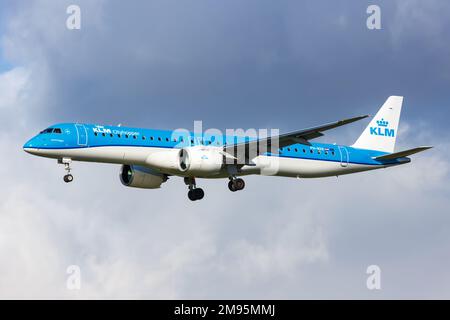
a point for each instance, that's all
(199, 193)
(68, 178)
(191, 195)
(240, 184)
(232, 186)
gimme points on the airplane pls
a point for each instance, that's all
(149, 157)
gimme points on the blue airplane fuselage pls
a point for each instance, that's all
(60, 140)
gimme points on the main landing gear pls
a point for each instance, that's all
(236, 184)
(194, 192)
(66, 162)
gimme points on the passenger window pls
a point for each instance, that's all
(95, 134)
(167, 139)
(289, 149)
(143, 137)
(296, 150)
(103, 134)
(118, 135)
(151, 138)
(57, 130)
(311, 151)
(304, 151)
(159, 138)
(134, 137)
(126, 136)
(111, 135)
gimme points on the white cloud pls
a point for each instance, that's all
(278, 233)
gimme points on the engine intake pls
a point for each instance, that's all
(200, 160)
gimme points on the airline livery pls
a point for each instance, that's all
(149, 157)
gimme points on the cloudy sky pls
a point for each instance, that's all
(231, 64)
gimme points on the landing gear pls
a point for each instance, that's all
(68, 178)
(236, 184)
(66, 162)
(194, 192)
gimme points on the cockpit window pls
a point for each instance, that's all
(48, 130)
(51, 130)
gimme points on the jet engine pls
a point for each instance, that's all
(200, 160)
(141, 177)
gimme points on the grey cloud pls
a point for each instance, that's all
(161, 64)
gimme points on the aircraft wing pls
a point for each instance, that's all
(258, 146)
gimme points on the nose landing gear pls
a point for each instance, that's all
(66, 162)
(68, 178)
(194, 192)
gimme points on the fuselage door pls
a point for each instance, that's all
(344, 156)
(82, 134)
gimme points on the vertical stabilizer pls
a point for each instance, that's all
(381, 132)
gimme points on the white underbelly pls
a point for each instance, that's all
(303, 168)
(264, 165)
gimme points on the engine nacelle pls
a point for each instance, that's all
(200, 160)
(141, 177)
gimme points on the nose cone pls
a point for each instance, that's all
(30, 146)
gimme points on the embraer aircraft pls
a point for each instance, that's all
(148, 157)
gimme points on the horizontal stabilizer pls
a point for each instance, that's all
(401, 154)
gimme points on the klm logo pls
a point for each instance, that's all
(382, 129)
(101, 129)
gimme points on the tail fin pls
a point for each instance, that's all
(381, 132)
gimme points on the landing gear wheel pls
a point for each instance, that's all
(239, 183)
(196, 194)
(68, 178)
(199, 193)
(236, 185)
(191, 195)
(231, 186)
